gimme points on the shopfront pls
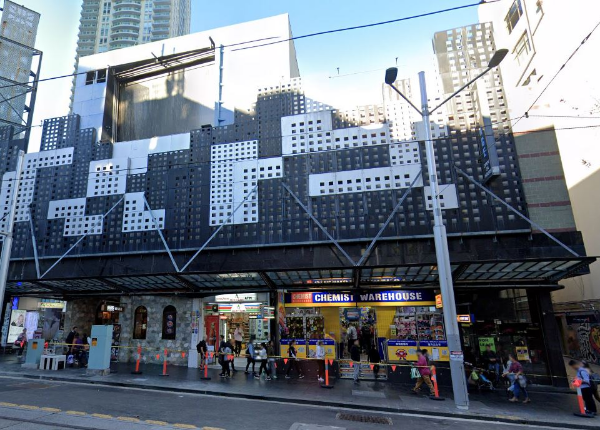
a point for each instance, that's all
(42, 318)
(248, 312)
(389, 324)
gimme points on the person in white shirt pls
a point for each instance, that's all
(320, 356)
(238, 336)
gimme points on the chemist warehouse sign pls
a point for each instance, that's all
(366, 298)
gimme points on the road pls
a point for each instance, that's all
(49, 405)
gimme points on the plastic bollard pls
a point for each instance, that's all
(205, 377)
(436, 395)
(326, 384)
(165, 364)
(137, 370)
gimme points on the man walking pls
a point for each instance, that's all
(355, 357)
(202, 350)
(351, 336)
(250, 357)
(292, 361)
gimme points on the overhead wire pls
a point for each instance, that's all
(304, 36)
(561, 68)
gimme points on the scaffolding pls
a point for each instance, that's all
(18, 81)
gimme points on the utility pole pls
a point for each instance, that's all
(10, 222)
(457, 368)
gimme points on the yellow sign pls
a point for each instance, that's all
(300, 348)
(94, 341)
(438, 301)
(401, 350)
(52, 305)
(522, 353)
(34, 345)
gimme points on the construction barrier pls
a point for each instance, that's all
(582, 413)
(326, 384)
(165, 364)
(137, 370)
(436, 391)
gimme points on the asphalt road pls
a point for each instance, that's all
(28, 404)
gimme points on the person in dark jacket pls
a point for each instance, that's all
(293, 361)
(355, 357)
(202, 350)
(226, 353)
(69, 340)
(374, 359)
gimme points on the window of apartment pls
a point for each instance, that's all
(522, 49)
(513, 15)
(106, 8)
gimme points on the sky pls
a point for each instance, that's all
(361, 55)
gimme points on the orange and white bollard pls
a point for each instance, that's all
(582, 413)
(165, 364)
(137, 370)
(326, 384)
(436, 391)
(206, 377)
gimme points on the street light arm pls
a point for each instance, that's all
(460, 89)
(406, 99)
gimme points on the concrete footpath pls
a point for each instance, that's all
(547, 408)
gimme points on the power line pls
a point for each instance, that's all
(374, 24)
(304, 36)
(585, 39)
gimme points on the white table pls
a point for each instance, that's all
(51, 362)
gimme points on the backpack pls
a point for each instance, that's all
(594, 381)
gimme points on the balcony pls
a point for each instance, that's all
(124, 25)
(127, 33)
(125, 10)
(126, 17)
(119, 3)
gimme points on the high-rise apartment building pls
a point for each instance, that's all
(113, 24)
(18, 31)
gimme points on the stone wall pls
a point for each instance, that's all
(155, 306)
(81, 313)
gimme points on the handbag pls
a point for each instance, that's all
(414, 373)
(522, 381)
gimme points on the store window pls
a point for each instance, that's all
(169, 330)
(140, 323)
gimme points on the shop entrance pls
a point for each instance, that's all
(361, 324)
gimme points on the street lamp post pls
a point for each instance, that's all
(457, 370)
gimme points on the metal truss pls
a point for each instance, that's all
(212, 236)
(81, 238)
(162, 237)
(534, 224)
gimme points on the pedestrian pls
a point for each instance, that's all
(21, 342)
(424, 372)
(520, 381)
(586, 386)
(85, 353)
(492, 362)
(293, 361)
(355, 357)
(271, 358)
(375, 359)
(238, 336)
(343, 338)
(225, 352)
(69, 340)
(594, 379)
(202, 350)
(250, 357)
(426, 355)
(320, 356)
(263, 357)
(351, 336)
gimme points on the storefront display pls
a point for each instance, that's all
(388, 325)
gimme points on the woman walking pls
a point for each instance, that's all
(292, 361)
(520, 382)
(320, 356)
(263, 357)
(425, 373)
(271, 358)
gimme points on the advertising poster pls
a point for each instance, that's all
(486, 341)
(17, 324)
(31, 323)
(437, 349)
(522, 353)
(51, 323)
(116, 342)
(400, 350)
